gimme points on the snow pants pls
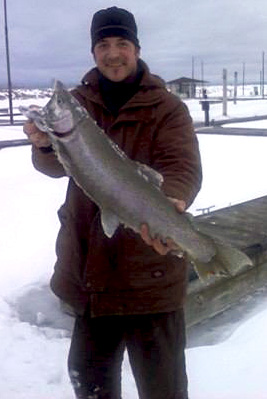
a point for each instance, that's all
(155, 345)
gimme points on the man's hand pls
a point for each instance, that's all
(156, 243)
(36, 136)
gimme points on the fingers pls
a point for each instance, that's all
(180, 205)
(36, 136)
(156, 243)
(144, 232)
(163, 247)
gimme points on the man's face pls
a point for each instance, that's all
(116, 58)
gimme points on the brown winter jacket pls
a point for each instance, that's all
(123, 275)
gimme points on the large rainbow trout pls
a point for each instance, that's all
(126, 192)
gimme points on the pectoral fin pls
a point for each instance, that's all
(109, 222)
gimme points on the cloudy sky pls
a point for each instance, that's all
(50, 39)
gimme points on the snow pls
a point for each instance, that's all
(234, 369)
(35, 336)
(234, 166)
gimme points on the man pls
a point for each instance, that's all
(127, 291)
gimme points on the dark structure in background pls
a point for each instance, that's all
(205, 107)
(184, 87)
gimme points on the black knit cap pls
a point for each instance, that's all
(113, 21)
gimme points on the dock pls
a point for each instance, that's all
(244, 226)
(231, 131)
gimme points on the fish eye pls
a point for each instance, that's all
(59, 101)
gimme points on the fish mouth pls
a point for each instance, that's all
(58, 86)
(63, 124)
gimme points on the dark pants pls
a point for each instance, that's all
(155, 345)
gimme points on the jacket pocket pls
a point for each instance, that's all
(144, 268)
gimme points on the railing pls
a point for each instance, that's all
(13, 143)
(5, 119)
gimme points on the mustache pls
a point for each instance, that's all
(115, 61)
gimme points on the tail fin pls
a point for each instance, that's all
(227, 262)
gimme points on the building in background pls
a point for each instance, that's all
(185, 87)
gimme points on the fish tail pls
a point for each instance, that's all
(227, 262)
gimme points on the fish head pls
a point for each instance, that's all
(60, 115)
(63, 112)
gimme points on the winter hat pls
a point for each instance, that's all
(113, 21)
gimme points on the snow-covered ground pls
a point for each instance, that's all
(34, 342)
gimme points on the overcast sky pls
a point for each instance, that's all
(50, 39)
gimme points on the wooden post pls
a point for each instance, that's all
(263, 74)
(235, 87)
(224, 92)
(192, 88)
(202, 75)
(244, 70)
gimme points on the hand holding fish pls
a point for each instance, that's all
(156, 243)
(35, 135)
